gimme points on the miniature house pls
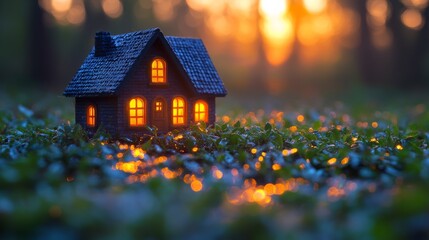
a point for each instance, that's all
(144, 78)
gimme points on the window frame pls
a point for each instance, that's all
(184, 111)
(144, 101)
(206, 106)
(164, 69)
(88, 116)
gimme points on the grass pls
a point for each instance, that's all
(260, 175)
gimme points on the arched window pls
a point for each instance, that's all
(201, 111)
(90, 116)
(137, 110)
(158, 71)
(178, 111)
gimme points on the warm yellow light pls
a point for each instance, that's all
(137, 116)
(158, 71)
(335, 192)
(300, 118)
(273, 8)
(276, 166)
(138, 153)
(128, 167)
(253, 150)
(270, 189)
(201, 111)
(345, 160)
(160, 160)
(196, 185)
(278, 35)
(332, 161)
(169, 174)
(158, 106)
(112, 8)
(399, 147)
(293, 128)
(315, 6)
(285, 152)
(259, 195)
(412, 18)
(217, 174)
(178, 111)
(258, 166)
(226, 118)
(90, 116)
(61, 5)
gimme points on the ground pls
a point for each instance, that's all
(325, 173)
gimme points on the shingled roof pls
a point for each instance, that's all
(194, 58)
(102, 74)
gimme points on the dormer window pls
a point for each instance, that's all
(158, 73)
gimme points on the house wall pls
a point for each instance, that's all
(137, 83)
(106, 113)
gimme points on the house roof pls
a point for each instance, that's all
(195, 60)
(102, 74)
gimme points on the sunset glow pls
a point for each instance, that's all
(315, 6)
(273, 8)
(314, 30)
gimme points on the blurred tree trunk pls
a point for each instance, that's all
(40, 53)
(95, 21)
(403, 66)
(400, 48)
(365, 50)
(420, 54)
(409, 49)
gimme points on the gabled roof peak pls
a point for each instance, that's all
(112, 57)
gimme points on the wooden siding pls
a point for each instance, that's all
(138, 84)
(106, 113)
(112, 112)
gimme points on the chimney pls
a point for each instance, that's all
(103, 43)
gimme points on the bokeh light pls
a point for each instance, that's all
(412, 18)
(112, 8)
(315, 6)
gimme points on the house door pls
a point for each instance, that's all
(159, 114)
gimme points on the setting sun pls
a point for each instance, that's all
(273, 8)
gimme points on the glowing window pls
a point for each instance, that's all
(90, 116)
(137, 112)
(158, 106)
(201, 111)
(178, 111)
(158, 71)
